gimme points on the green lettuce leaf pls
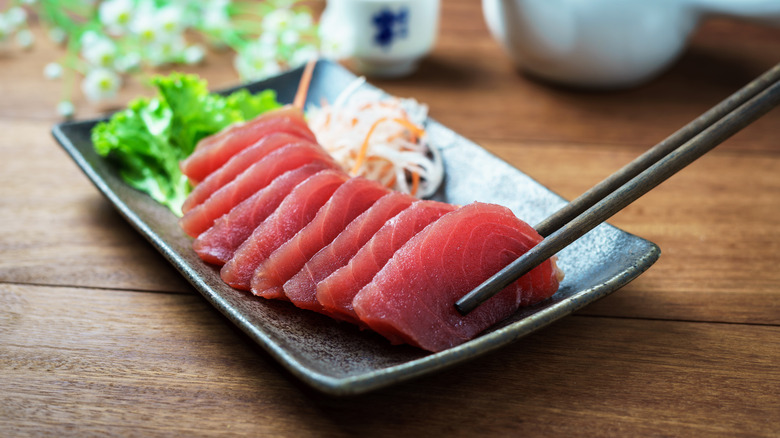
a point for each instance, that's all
(147, 140)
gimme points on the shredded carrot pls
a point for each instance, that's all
(364, 147)
(415, 183)
(303, 86)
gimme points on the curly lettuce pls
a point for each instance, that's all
(147, 140)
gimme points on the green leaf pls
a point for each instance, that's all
(147, 140)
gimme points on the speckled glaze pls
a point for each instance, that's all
(337, 358)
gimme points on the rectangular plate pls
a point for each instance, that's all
(337, 358)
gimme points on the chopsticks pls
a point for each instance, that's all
(635, 179)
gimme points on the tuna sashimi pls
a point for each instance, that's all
(214, 151)
(254, 178)
(297, 210)
(302, 287)
(218, 244)
(237, 164)
(412, 298)
(336, 292)
(347, 203)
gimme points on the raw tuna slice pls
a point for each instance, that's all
(214, 151)
(348, 202)
(302, 287)
(297, 210)
(237, 164)
(218, 244)
(412, 298)
(336, 292)
(254, 178)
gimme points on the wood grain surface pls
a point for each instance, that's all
(100, 336)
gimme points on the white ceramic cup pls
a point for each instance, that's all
(385, 38)
(606, 43)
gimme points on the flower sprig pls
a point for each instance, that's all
(109, 42)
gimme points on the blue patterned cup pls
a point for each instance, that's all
(385, 38)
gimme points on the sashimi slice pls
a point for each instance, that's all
(214, 151)
(237, 164)
(302, 287)
(218, 244)
(254, 178)
(297, 210)
(412, 298)
(347, 203)
(336, 292)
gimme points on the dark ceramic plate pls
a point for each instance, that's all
(337, 358)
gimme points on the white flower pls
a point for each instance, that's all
(194, 54)
(6, 28)
(278, 20)
(25, 38)
(170, 20)
(98, 50)
(303, 54)
(16, 16)
(215, 16)
(289, 37)
(116, 15)
(257, 61)
(65, 108)
(58, 35)
(52, 70)
(127, 62)
(164, 51)
(89, 38)
(100, 83)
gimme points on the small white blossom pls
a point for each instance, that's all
(25, 38)
(52, 70)
(290, 37)
(215, 16)
(170, 20)
(100, 83)
(164, 51)
(89, 38)
(194, 54)
(116, 15)
(279, 20)
(128, 62)
(303, 54)
(6, 28)
(257, 61)
(58, 35)
(65, 108)
(100, 51)
(16, 16)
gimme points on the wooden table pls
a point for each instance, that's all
(99, 335)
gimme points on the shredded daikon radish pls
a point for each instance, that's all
(379, 137)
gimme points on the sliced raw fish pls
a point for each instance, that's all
(347, 203)
(412, 298)
(237, 164)
(302, 287)
(254, 178)
(336, 292)
(214, 151)
(295, 211)
(218, 244)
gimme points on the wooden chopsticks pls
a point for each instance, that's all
(635, 179)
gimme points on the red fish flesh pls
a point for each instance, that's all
(336, 292)
(237, 164)
(348, 202)
(254, 178)
(411, 299)
(218, 244)
(214, 151)
(297, 210)
(302, 287)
